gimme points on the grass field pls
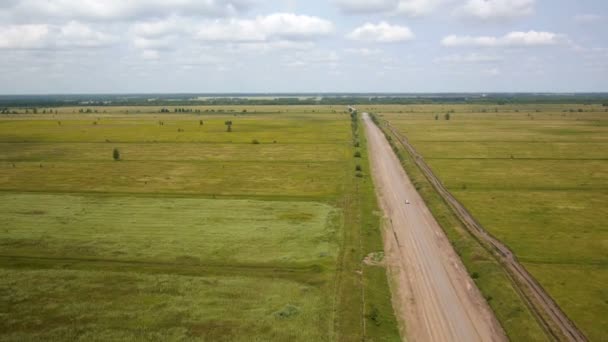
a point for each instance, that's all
(196, 233)
(536, 177)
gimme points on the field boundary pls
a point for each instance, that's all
(549, 314)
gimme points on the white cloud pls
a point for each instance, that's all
(412, 8)
(498, 9)
(365, 52)
(417, 8)
(22, 36)
(120, 9)
(366, 6)
(80, 35)
(277, 26)
(150, 54)
(382, 33)
(155, 43)
(310, 58)
(512, 39)
(73, 34)
(159, 28)
(472, 58)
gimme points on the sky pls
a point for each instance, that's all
(262, 46)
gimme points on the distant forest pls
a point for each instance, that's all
(98, 100)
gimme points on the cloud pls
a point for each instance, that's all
(263, 33)
(417, 8)
(72, 34)
(150, 54)
(366, 6)
(313, 58)
(497, 9)
(120, 9)
(23, 36)
(277, 26)
(80, 35)
(472, 58)
(381, 33)
(159, 28)
(512, 39)
(365, 52)
(412, 8)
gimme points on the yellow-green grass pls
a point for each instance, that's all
(89, 305)
(174, 152)
(318, 129)
(513, 150)
(288, 179)
(527, 174)
(151, 229)
(538, 180)
(257, 229)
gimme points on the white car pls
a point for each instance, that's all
(407, 201)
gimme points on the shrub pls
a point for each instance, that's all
(357, 154)
(255, 141)
(116, 154)
(374, 316)
(358, 167)
(287, 312)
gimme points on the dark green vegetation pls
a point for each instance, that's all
(536, 177)
(193, 232)
(175, 102)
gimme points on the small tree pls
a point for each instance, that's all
(228, 126)
(447, 116)
(200, 123)
(116, 154)
(436, 116)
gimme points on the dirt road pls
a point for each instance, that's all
(434, 296)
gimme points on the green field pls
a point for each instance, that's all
(536, 176)
(196, 233)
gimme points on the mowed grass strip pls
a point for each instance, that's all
(191, 152)
(180, 230)
(108, 306)
(529, 174)
(512, 127)
(326, 128)
(514, 150)
(296, 179)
